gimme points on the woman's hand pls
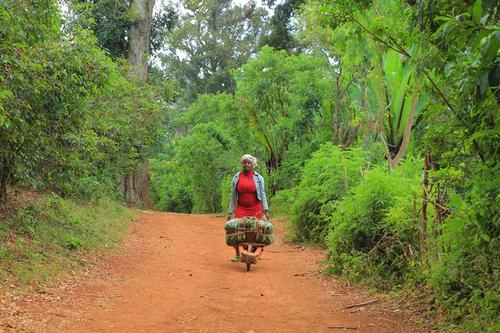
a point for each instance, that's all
(266, 214)
(229, 216)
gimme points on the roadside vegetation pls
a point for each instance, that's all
(73, 120)
(50, 236)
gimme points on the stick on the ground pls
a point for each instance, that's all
(362, 303)
(343, 327)
(186, 321)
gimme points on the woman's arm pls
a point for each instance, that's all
(265, 205)
(232, 198)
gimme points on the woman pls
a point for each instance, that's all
(248, 197)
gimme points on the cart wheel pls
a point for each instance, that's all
(248, 266)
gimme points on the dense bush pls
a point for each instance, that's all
(326, 178)
(282, 202)
(226, 192)
(205, 158)
(373, 231)
(287, 176)
(465, 272)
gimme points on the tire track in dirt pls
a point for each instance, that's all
(174, 275)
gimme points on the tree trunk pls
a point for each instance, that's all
(425, 198)
(5, 172)
(140, 30)
(403, 148)
(135, 185)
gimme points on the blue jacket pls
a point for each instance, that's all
(261, 193)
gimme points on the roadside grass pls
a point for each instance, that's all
(43, 239)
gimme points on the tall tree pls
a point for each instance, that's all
(135, 185)
(211, 39)
(283, 96)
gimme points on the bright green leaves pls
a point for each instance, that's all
(429, 71)
(474, 36)
(373, 231)
(283, 97)
(396, 101)
(205, 157)
(490, 53)
(187, 176)
(211, 136)
(326, 178)
(477, 11)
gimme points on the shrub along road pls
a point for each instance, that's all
(174, 275)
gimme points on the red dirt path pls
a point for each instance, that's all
(174, 276)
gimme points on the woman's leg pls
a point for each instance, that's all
(236, 258)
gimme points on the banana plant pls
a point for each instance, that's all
(395, 100)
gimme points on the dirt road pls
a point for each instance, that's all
(174, 276)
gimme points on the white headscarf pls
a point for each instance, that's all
(250, 158)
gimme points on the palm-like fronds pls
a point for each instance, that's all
(395, 101)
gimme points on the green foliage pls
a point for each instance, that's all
(282, 203)
(287, 176)
(211, 38)
(395, 100)
(52, 236)
(281, 36)
(374, 228)
(465, 274)
(168, 185)
(348, 56)
(204, 157)
(282, 96)
(70, 119)
(326, 178)
(46, 83)
(442, 57)
(110, 22)
(226, 191)
(187, 177)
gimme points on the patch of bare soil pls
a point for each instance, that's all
(174, 275)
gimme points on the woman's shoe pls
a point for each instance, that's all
(235, 259)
